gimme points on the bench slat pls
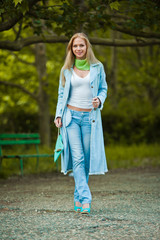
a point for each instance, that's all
(28, 155)
(19, 135)
(14, 142)
(22, 139)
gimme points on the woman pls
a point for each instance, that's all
(82, 92)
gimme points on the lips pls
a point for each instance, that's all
(79, 53)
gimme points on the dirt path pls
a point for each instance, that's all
(125, 206)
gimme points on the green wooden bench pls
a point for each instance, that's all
(22, 139)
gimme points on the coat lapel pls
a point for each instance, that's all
(93, 72)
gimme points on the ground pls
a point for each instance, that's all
(125, 206)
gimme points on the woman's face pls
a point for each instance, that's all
(79, 48)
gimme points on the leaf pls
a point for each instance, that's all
(1, 11)
(114, 5)
(17, 1)
(24, 7)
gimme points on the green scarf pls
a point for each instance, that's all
(82, 64)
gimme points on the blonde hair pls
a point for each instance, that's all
(70, 57)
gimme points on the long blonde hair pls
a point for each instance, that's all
(70, 57)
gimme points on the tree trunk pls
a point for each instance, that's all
(113, 74)
(79, 4)
(43, 98)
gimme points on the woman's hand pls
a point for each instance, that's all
(96, 102)
(58, 122)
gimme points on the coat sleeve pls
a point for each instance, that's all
(102, 90)
(60, 98)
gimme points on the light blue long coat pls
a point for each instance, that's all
(97, 151)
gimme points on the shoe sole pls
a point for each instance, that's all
(85, 212)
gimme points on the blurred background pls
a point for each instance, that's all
(125, 36)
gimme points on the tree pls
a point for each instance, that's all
(55, 21)
(27, 22)
(28, 86)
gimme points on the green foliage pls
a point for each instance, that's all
(131, 113)
(12, 166)
(114, 5)
(17, 1)
(19, 112)
(118, 156)
(142, 155)
(66, 17)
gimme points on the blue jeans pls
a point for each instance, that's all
(79, 134)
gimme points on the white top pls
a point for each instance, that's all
(80, 92)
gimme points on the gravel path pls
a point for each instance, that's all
(125, 206)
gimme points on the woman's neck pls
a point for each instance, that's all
(82, 64)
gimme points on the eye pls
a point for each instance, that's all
(74, 46)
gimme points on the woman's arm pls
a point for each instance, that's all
(102, 90)
(60, 98)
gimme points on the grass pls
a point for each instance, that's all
(12, 166)
(142, 155)
(118, 156)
